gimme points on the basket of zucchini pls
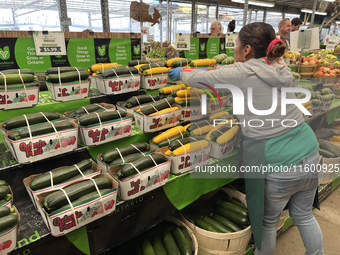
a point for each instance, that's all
(153, 172)
(5, 194)
(90, 108)
(120, 155)
(169, 237)
(221, 225)
(9, 225)
(172, 134)
(136, 101)
(14, 81)
(164, 92)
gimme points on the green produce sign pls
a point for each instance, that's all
(81, 52)
(193, 52)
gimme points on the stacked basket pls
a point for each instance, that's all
(307, 71)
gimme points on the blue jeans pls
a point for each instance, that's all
(297, 189)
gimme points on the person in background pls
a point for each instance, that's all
(284, 30)
(296, 23)
(231, 26)
(216, 28)
(258, 66)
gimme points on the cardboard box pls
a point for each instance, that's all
(16, 98)
(119, 85)
(214, 108)
(140, 184)
(33, 194)
(191, 113)
(93, 82)
(188, 161)
(148, 124)
(3, 130)
(69, 91)
(111, 130)
(104, 105)
(45, 146)
(62, 221)
(8, 238)
(152, 82)
(129, 110)
(105, 167)
(229, 101)
(221, 151)
(8, 203)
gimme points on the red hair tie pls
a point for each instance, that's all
(273, 43)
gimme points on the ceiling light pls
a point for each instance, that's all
(311, 11)
(329, 0)
(337, 22)
(257, 3)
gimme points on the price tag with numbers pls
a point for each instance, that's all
(49, 43)
(230, 40)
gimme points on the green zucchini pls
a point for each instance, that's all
(127, 158)
(166, 142)
(185, 122)
(217, 133)
(3, 183)
(89, 108)
(110, 155)
(67, 77)
(43, 129)
(15, 78)
(158, 245)
(19, 85)
(16, 71)
(328, 97)
(4, 190)
(100, 71)
(119, 71)
(138, 62)
(326, 154)
(92, 118)
(234, 217)
(186, 235)
(138, 249)
(147, 247)
(8, 222)
(147, 66)
(178, 143)
(300, 95)
(33, 118)
(204, 225)
(98, 110)
(59, 175)
(197, 124)
(63, 69)
(169, 243)
(13, 134)
(141, 99)
(181, 242)
(189, 102)
(86, 172)
(180, 63)
(231, 200)
(224, 221)
(159, 105)
(329, 147)
(326, 91)
(231, 207)
(316, 102)
(142, 164)
(221, 228)
(4, 211)
(57, 199)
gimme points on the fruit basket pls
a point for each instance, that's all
(336, 90)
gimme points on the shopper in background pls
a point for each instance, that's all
(216, 28)
(296, 23)
(231, 26)
(284, 30)
(294, 148)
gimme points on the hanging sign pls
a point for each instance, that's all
(145, 30)
(49, 43)
(182, 41)
(331, 40)
(230, 40)
(150, 38)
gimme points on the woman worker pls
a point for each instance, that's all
(294, 147)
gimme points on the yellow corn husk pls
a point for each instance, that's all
(202, 130)
(168, 133)
(168, 90)
(190, 147)
(156, 70)
(164, 111)
(203, 62)
(227, 136)
(218, 115)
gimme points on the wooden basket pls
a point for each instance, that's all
(328, 81)
(222, 243)
(306, 69)
(336, 92)
(332, 61)
(306, 75)
(191, 234)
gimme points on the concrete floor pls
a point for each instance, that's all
(290, 242)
